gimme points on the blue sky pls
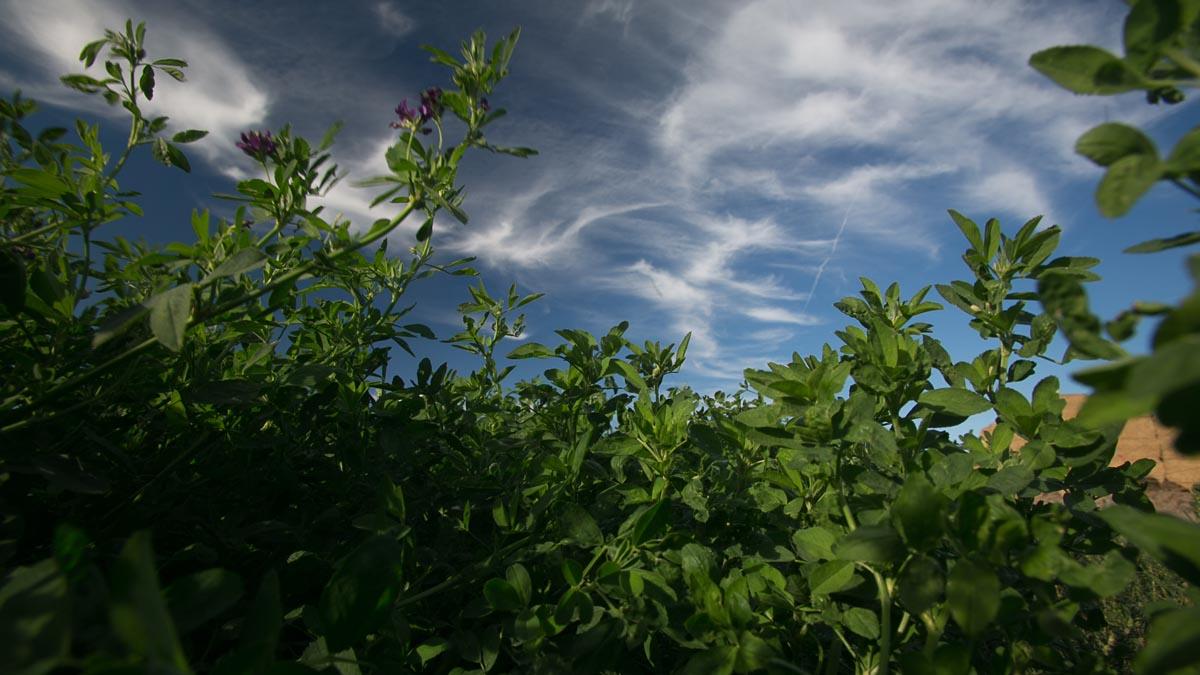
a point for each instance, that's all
(725, 168)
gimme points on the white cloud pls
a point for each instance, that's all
(392, 19)
(872, 182)
(771, 335)
(780, 315)
(893, 92)
(1014, 191)
(526, 244)
(620, 11)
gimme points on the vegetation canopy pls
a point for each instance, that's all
(205, 465)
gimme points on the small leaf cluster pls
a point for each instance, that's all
(1162, 57)
(1161, 52)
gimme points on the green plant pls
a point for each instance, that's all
(207, 465)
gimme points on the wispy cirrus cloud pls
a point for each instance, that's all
(923, 85)
(801, 139)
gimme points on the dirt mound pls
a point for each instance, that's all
(1170, 483)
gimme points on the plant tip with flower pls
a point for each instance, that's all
(430, 108)
(257, 144)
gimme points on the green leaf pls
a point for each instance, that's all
(35, 618)
(1010, 480)
(515, 152)
(973, 594)
(1171, 642)
(1020, 370)
(330, 135)
(917, 512)
(1155, 245)
(422, 330)
(1063, 297)
(41, 183)
(572, 572)
(1125, 182)
(239, 263)
(652, 523)
(862, 622)
(1149, 26)
(502, 596)
(921, 585)
(531, 350)
(870, 543)
(200, 597)
(955, 401)
(159, 150)
(1112, 141)
(259, 634)
(1185, 156)
(398, 162)
(518, 576)
(991, 238)
(432, 648)
(169, 315)
(1174, 542)
(627, 371)
(1085, 69)
(1106, 578)
(359, 596)
(754, 653)
(714, 661)
(188, 136)
(256, 187)
(146, 82)
(90, 51)
(766, 497)
(814, 543)
(440, 56)
(969, 229)
(579, 526)
(138, 613)
(830, 577)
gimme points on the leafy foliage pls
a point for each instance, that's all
(183, 425)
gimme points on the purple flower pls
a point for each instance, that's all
(406, 114)
(257, 144)
(429, 108)
(431, 103)
(484, 105)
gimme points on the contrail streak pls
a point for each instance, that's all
(832, 250)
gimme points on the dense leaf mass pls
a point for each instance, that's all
(207, 467)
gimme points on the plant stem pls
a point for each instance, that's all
(932, 633)
(32, 233)
(135, 128)
(462, 576)
(1183, 60)
(1186, 188)
(885, 621)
